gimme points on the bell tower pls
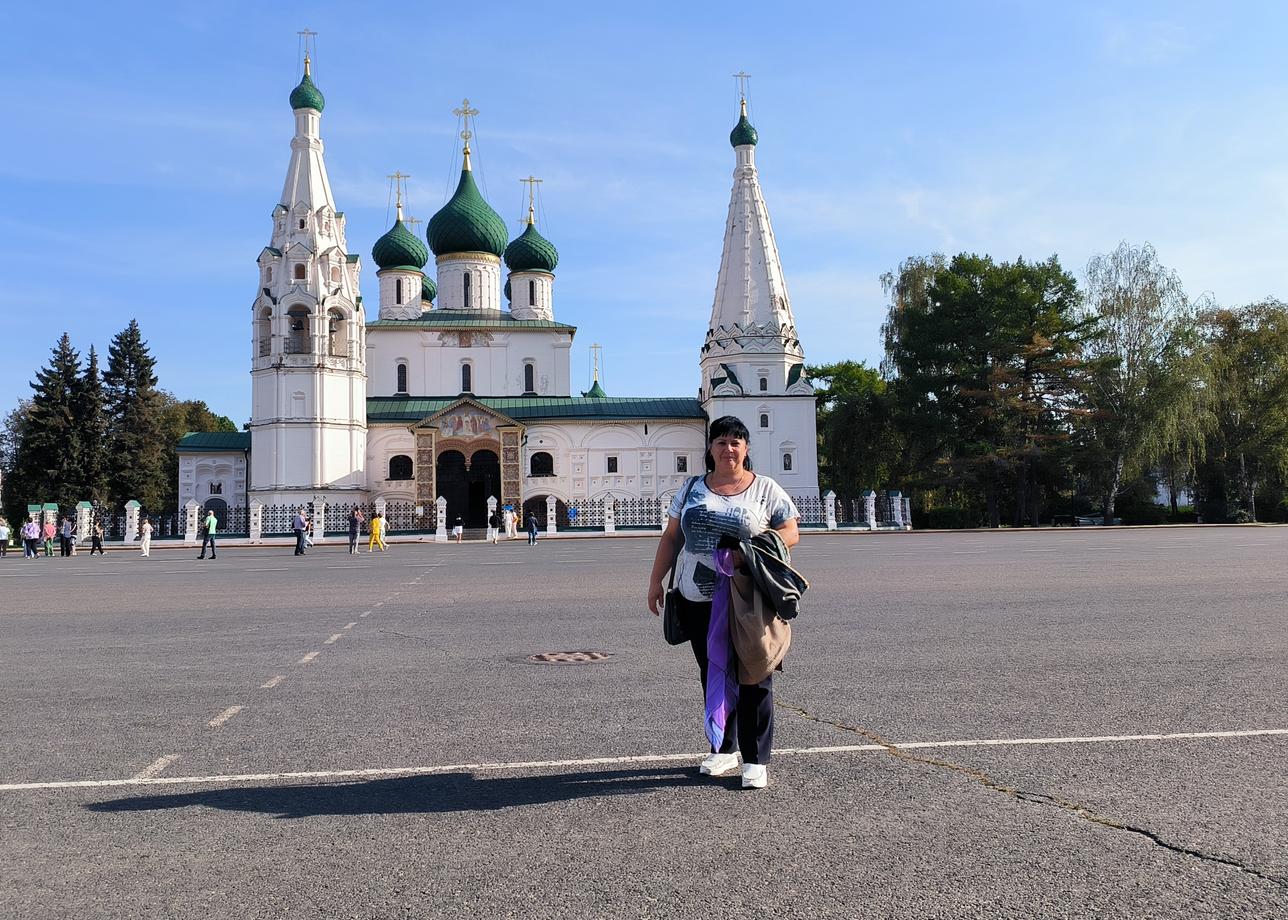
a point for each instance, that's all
(308, 368)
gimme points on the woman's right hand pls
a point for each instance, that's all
(655, 593)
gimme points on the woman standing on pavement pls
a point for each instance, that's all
(729, 500)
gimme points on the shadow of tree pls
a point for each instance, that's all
(444, 792)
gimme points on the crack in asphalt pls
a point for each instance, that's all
(1035, 798)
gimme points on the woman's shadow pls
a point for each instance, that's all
(442, 792)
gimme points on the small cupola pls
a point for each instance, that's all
(307, 95)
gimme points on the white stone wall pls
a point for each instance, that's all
(434, 360)
(532, 295)
(384, 442)
(198, 472)
(646, 459)
(792, 429)
(390, 308)
(484, 270)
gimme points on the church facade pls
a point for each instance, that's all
(459, 386)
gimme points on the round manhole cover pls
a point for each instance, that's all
(579, 657)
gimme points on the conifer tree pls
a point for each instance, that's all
(90, 411)
(134, 421)
(45, 457)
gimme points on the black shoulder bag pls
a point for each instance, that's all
(672, 624)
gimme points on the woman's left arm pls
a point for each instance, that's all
(789, 532)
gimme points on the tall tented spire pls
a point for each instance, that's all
(752, 310)
(306, 179)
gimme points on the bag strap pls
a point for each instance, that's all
(684, 501)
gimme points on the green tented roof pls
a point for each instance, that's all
(468, 319)
(212, 441)
(407, 409)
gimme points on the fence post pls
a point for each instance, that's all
(870, 509)
(440, 526)
(319, 518)
(552, 505)
(131, 534)
(829, 504)
(907, 513)
(189, 521)
(896, 508)
(610, 515)
(255, 522)
(84, 512)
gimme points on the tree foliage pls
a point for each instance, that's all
(856, 446)
(134, 410)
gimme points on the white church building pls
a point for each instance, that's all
(459, 386)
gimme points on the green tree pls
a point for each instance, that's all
(136, 448)
(90, 410)
(45, 456)
(178, 417)
(856, 447)
(15, 495)
(1146, 401)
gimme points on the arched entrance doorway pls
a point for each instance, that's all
(220, 508)
(537, 506)
(485, 480)
(452, 484)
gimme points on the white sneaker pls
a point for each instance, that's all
(754, 776)
(719, 764)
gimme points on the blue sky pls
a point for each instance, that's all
(146, 145)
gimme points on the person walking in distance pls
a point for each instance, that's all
(532, 529)
(377, 533)
(208, 531)
(145, 536)
(299, 524)
(49, 531)
(30, 534)
(511, 524)
(729, 500)
(4, 538)
(65, 537)
(355, 527)
(493, 526)
(96, 538)
(458, 528)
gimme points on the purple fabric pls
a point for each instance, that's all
(722, 682)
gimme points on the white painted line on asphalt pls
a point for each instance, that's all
(309, 657)
(378, 604)
(495, 766)
(156, 767)
(285, 568)
(350, 625)
(224, 716)
(365, 614)
(968, 552)
(334, 639)
(272, 682)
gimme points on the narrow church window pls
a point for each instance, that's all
(532, 293)
(612, 464)
(301, 223)
(787, 463)
(216, 488)
(336, 334)
(398, 291)
(400, 467)
(764, 384)
(335, 274)
(529, 378)
(764, 420)
(269, 275)
(465, 280)
(402, 378)
(466, 382)
(298, 323)
(299, 272)
(681, 464)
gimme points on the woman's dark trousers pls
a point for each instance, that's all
(755, 715)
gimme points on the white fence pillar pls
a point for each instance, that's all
(610, 515)
(319, 519)
(255, 521)
(870, 509)
(829, 508)
(440, 529)
(552, 505)
(896, 509)
(131, 522)
(907, 513)
(190, 525)
(84, 522)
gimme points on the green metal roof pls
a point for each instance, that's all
(399, 247)
(467, 223)
(406, 409)
(530, 251)
(212, 441)
(352, 257)
(468, 319)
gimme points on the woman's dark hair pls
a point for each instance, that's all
(727, 426)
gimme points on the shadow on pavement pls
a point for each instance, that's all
(447, 792)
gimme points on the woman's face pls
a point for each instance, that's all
(728, 452)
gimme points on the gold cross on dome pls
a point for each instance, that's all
(307, 41)
(400, 183)
(465, 112)
(742, 77)
(532, 182)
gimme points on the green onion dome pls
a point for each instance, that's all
(428, 289)
(307, 95)
(506, 290)
(531, 252)
(466, 223)
(595, 391)
(743, 133)
(399, 248)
